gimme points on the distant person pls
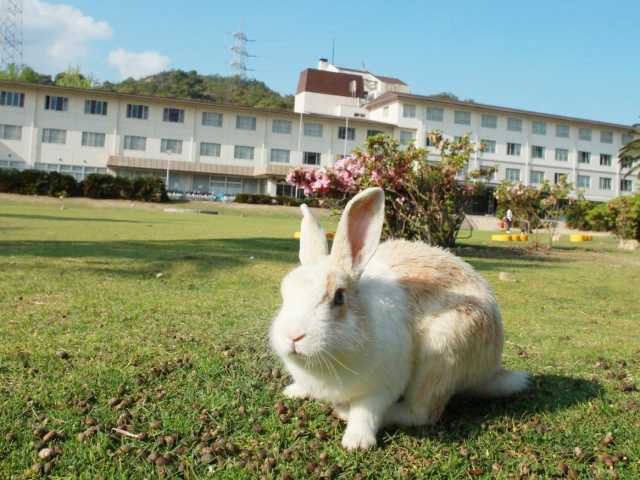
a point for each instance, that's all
(508, 218)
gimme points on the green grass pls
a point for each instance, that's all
(169, 312)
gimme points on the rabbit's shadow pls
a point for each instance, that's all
(466, 417)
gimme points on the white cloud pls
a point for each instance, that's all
(58, 35)
(137, 64)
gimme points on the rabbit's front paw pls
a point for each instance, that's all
(294, 391)
(358, 437)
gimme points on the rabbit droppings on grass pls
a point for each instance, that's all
(369, 324)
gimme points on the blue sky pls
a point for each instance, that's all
(577, 58)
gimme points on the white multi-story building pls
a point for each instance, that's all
(215, 148)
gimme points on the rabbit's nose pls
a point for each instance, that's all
(298, 338)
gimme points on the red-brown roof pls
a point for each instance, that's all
(329, 83)
(389, 79)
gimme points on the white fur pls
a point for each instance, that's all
(382, 345)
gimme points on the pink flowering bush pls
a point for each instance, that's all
(424, 200)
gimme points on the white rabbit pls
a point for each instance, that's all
(386, 333)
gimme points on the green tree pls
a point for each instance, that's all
(72, 77)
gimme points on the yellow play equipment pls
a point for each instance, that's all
(329, 235)
(578, 237)
(504, 237)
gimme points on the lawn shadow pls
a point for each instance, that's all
(466, 417)
(21, 216)
(203, 255)
(495, 258)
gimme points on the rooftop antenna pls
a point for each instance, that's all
(333, 51)
(11, 35)
(240, 53)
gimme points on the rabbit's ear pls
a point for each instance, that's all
(313, 243)
(359, 230)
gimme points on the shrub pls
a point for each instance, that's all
(424, 201)
(37, 182)
(61, 184)
(8, 180)
(260, 199)
(98, 185)
(627, 216)
(600, 218)
(32, 182)
(150, 189)
(576, 213)
(255, 198)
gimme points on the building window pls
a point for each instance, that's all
(584, 157)
(93, 139)
(408, 111)
(281, 126)
(462, 118)
(11, 99)
(407, 137)
(311, 158)
(537, 177)
(512, 174)
(212, 119)
(279, 155)
(170, 145)
(514, 124)
(489, 121)
(562, 155)
(559, 178)
(245, 123)
(604, 183)
(606, 137)
(10, 132)
(133, 142)
(209, 149)
(539, 128)
(562, 131)
(95, 107)
(584, 134)
(513, 149)
(173, 115)
(54, 135)
(140, 112)
(626, 185)
(537, 151)
(312, 129)
(372, 132)
(349, 133)
(243, 153)
(488, 146)
(626, 138)
(605, 160)
(584, 181)
(435, 114)
(54, 102)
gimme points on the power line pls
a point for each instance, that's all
(11, 34)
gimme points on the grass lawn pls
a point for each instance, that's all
(118, 315)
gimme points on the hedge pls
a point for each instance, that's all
(37, 182)
(256, 198)
(620, 215)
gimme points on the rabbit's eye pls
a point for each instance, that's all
(338, 297)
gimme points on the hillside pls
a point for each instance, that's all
(172, 83)
(216, 88)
